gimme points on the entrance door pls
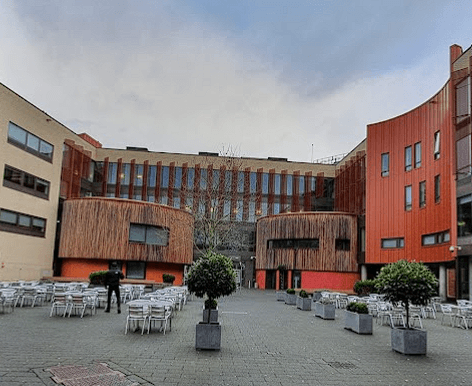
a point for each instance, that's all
(270, 279)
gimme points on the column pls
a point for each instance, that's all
(442, 283)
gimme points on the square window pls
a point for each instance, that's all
(16, 133)
(135, 270)
(32, 142)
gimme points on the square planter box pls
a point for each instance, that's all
(291, 300)
(409, 342)
(304, 304)
(325, 311)
(360, 323)
(280, 296)
(208, 336)
(210, 316)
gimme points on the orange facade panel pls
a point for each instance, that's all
(412, 194)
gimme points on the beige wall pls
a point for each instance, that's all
(24, 257)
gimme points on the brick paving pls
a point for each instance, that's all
(264, 342)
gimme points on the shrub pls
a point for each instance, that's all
(407, 283)
(168, 278)
(211, 304)
(359, 308)
(364, 287)
(290, 291)
(97, 277)
(303, 294)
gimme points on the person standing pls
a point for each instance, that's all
(112, 282)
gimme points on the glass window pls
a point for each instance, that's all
(152, 171)
(13, 175)
(435, 238)
(112, 170)
(265, 183)
(125, 174)
(28, 181)
(228, 178)
(138, 175)
(164, 200)
(46, 149)
(216, 180)
(437, 188)
(157, 236)
(178, 177)
(408, 164)
(226, 209)
(135, 270)
(385, 164)
(8, 217)
(276, 208)
(464, 216)
(16, 133)
(42, 186)
(240, 182)
(417, 154)
(137, 233)
(302, 184)
(151, 197)
(289, 184)
(203, 179)
(252, 211)
(422, 197)
(277, 184)
(393, 243)
(24, 221)
(343, 244)
(463, 150)
(39, 224)
(176, 202)
(462, 100)
(437, 144)
(190, 177)
(253, 182)
(165, 177)
(408, 198)
(239, 210)
(32, 142)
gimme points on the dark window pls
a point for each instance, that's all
(408, 160)
(437, 188)
(138, 175)
(464, 216)
(422, 197)
(294, 243)
(112, 170)
(29, 142)
(463, 157)
(135, 270)
(22, 223)
(408, 198)
(343, 244)
(24, 182)
(148, 234)
(437, 144)
(462, 100)
(435, 238)
(178, 178)
(393, 243)
(417, 154)
(385, 164)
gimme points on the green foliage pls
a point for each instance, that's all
(359, 308)
(211, 304)
(97, 277)
(290, 291)
(213, 276)
(364, 287)
(303, 294)
(281, 267)
(168, 278)
(407, 283)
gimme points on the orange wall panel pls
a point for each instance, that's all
(261, 279)
(336, 281)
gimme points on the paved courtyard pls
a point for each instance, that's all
(264, 342)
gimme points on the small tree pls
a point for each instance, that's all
(364, 287)
(407, 283)
(213, 276)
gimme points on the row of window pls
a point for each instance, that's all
(422, 193)
(25, 182)
(426, 240)
(17, 222)
(29, 142)
(409, 156)
(305, 183)
(340, 244)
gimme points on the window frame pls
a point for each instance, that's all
(437, 188)
(399, 243)
(422, 194)
(417, 151)
(21, 185)
(408, 158)
(408, 197)
(437, 145)
(24, 144)
(31, 230)
(147, 228)
(438, 238)
(385, 166)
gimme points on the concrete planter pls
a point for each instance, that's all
(210, 316)
(360, 323)
(280, 296)
(316, 296)
(409, 342)
(208, 336)
(304, 304)
(290, 299)
(325, 311)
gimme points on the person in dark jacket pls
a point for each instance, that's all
(112, 281)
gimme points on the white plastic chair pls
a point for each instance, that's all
(136, 313)
(158, 313)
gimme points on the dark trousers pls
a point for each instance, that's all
(116, 289)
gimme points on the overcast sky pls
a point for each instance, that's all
(269, 78)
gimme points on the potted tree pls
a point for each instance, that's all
(407, 283)
(358, 318)
(290, 297)
(303, 301)
(364, 287)
(211, 276)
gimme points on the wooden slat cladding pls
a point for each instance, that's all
(98, 228)
(325, 226)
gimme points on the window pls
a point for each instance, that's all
(464, 216)
(138, 175)
(463, 157)
(408, 198)
(397, 242)
(148, 234)
(343, 244)
(294, 243)
(422, 198)
(125, 174)
(165, 177)
(29, 142)
(152, 171)
(24, 182)
(462, 100)
(265, 183)
(240, 182)
(190, 178)
(135, 270)
(408, 160)
(22, 223)
(435, 238)
(437, 144)
(112, 170)
(417, 155)
(178, 178)
(437, 188)
(385, 164)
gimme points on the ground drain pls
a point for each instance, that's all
(96, 374)
(342, 365)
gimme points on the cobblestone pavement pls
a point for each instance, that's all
(264, 342)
